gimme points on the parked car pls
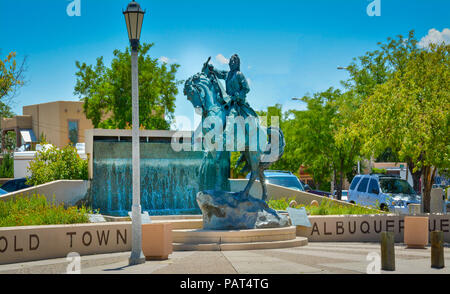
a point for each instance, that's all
(442, 186)
(317, 192)
(388, 192)
(282, 178)
(15, 185)
(344, 196)
(321, 193)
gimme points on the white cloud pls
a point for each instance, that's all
(434, 36)
(164, 59)
(220, 58)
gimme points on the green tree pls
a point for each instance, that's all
(387, 156)
(57, 164)
(7, 166)
(106, 92)
(369, 71)
(410, 113)
(10, 141)
(322, 148)
(290, 160)
(11, 77)
(317, 143)
(287, 121)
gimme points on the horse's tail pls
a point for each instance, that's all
(275, 147)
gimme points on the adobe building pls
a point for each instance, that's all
(61, 122)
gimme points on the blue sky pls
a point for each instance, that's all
(287, 48)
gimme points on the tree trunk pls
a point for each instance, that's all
(341, 179)
(415, 176)
(428, 179)
(335, 182)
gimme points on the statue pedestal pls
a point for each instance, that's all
(205, 240)
(229, 211)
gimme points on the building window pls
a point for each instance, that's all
(73, 132)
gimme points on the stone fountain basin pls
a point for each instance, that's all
(222, 240)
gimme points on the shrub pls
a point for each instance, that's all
(57, 164)
(379, 170)
(35, 210)
(326, 207)
(7, 166)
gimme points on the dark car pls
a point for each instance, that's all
(317, 192)
(15, 185)
(320, 193)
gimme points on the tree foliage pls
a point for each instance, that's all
(325, 149)
(7, 166)
(57, 164)
(11, 77)
(410, 113)
(106, 91)
(371, 70)
(287, 121)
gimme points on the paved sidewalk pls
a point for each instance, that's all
(315, 258)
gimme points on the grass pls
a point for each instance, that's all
(36, 210)
(326, 207)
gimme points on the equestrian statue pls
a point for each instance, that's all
(231, 124)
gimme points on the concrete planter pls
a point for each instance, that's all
(67, 192)
(157, 241)
(367, 228)
(30, 243)
(416, 231)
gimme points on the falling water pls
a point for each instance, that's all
(169, 179)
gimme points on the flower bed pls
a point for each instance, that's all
(326, 207)
(36, 210)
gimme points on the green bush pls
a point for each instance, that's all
(7, 166)
(379, 170)
(35, 210)
(57, 164)
(326, 207)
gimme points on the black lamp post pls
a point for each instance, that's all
(134, 17)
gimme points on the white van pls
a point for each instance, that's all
(386, 192)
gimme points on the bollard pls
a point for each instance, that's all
(387, 251)
(293, 203)
(437, 249)
(314, 203)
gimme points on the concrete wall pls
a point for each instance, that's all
(68, 192)
(19, 121)
(21, 244)
(364, 228)
(22, 162)
(124, 134)
(4, 180)
(52, 119)
(279, 192)
(45, 119)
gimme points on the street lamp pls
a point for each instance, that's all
(134, 17)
